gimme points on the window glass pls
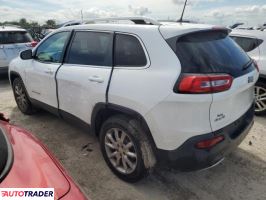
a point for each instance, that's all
(210, 52)
(91, 48)
(248, 44)
(15, 37)
(128, 51)
(52, 48)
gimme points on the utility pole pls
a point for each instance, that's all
(81, 14)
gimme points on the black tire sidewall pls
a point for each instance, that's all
(123, 123)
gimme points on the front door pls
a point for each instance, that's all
(40, 76)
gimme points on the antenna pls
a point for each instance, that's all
(181, 18)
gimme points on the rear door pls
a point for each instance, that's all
(84, 76)
(213, 52)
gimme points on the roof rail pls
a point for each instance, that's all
(136, 20)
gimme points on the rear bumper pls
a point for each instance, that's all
(188, 158)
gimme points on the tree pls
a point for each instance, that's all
(23, 23)
(50, 24)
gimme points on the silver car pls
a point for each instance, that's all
(13, 40)
(254, 43)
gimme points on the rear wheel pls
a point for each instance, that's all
(260, 98)
(21, 97)
(123, 148)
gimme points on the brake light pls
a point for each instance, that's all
(207, 144)
(32, 44)
(256, 65)
(200, 84)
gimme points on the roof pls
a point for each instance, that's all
(168, 29)
(10, 28)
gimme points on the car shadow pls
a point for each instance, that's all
(241, 176)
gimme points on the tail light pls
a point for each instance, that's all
(256, 65)
(207, 144)
(201, 84)
(32, 44)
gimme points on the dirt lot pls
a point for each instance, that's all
(240, 176)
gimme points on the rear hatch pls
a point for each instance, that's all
(249, 44)
(11, 44)
(212, 53)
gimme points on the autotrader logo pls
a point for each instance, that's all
(26, 193)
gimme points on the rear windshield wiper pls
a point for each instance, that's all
(247, 65)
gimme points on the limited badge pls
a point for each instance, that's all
(250, 79)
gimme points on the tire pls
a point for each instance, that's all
(260, 98)
(134, 159)
(21, 97)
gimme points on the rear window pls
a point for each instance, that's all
(248, 44)
(15, 37)
(210, 52)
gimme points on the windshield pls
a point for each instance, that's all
(12, 37)
(211, 52)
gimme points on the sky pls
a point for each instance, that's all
(222, 12)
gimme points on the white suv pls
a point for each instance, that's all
(176, 94)
(13, 40)
(254, 43)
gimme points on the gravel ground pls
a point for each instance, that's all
(241, 176)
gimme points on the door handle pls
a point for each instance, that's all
(49, 71)
(96, 79)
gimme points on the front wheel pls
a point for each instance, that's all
(260, 98)
(123, 148)
(21, 97)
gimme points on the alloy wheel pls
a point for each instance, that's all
(120, 150)
(260, 99)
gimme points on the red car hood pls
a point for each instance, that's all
(33, 166)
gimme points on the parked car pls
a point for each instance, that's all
(13, 40)
(254, 43)
(26, 163)
(177, 94)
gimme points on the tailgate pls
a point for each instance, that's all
(230, 105)
(211, 53)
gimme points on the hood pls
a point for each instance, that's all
(33, 166)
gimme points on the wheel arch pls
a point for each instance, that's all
(262, 78)
(13, 75)
(102, 111)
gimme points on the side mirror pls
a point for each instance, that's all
(26, 55)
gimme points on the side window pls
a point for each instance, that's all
(128, 51)
(51, 49)
(91, 48)
(248, 44)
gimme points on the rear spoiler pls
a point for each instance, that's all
(176, 29)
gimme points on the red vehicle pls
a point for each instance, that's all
(26, 163)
